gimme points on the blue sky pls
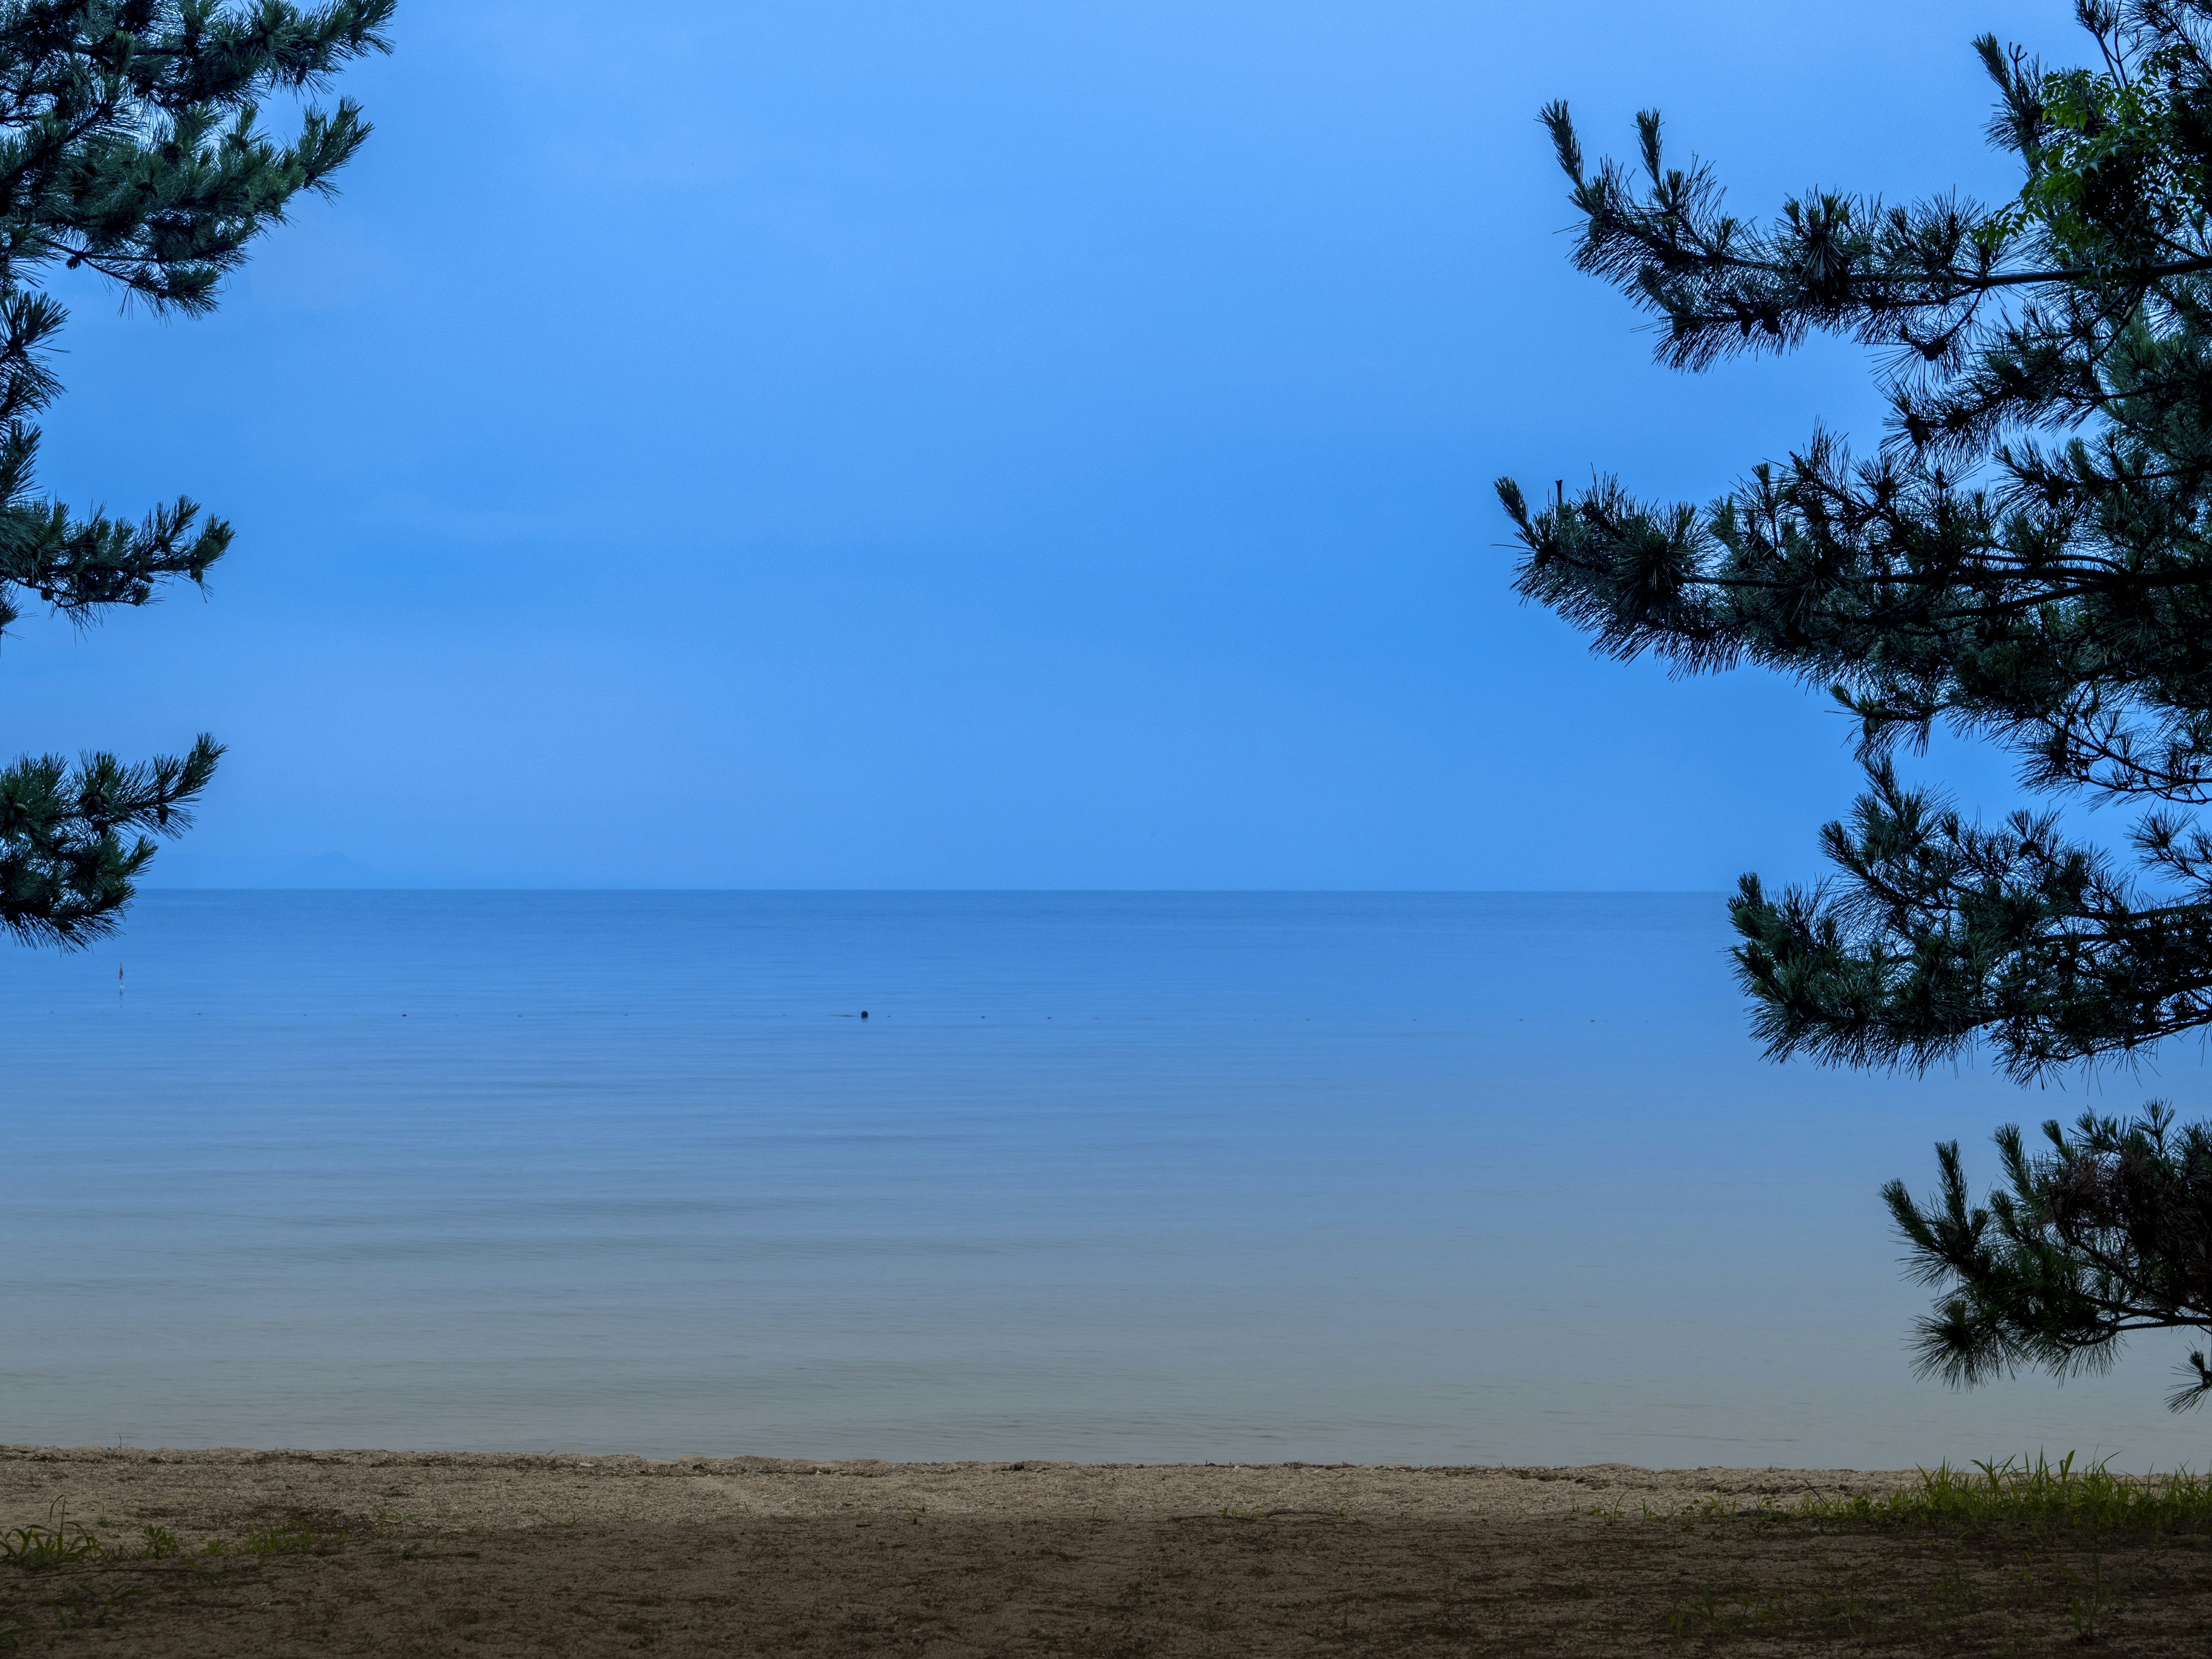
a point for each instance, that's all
(978, 445)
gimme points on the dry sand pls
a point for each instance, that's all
(408, 1554)
(455, 1492)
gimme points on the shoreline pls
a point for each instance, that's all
(520, 1489)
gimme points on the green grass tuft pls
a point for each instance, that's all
(290, 1538)
(84, 1605)
(2041, 1495)
(63, 1544)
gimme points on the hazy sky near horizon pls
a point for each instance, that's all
(979, 445)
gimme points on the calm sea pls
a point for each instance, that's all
(1457, 1178)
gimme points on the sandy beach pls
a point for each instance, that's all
(267, 1553)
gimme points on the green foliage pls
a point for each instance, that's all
(63, 1544)
(2107, 1231)
(131, 146)
(84, 1607)
(290, 1538)
(2039, 1495)
(2025, 557)
(66, 869)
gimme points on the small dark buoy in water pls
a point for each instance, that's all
(864, 1013)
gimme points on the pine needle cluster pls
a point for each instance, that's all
(132, 146)
(2025, 557)
(2104, 1231)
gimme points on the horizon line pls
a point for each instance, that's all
(952, 891)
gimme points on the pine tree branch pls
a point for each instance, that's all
(72, 839)
(131, 146)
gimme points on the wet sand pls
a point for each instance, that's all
(383, 1553)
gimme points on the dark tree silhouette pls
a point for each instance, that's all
(2026, 557)
(131, 146)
